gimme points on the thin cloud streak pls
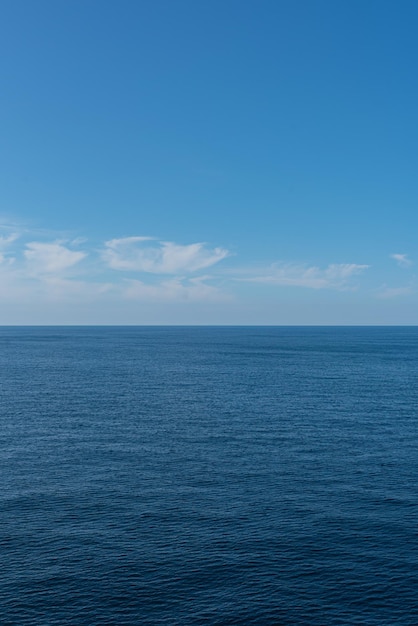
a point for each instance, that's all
(335, 276)
(174, 289)
(402, 260)
(386, 293)
(8, 239)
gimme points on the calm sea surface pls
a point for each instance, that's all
(237, 476)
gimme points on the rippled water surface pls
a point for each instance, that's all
(208, 476)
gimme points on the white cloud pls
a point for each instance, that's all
(5, 242)
(51, 258)
(173, 289)
(46, 271)
(145, 254)
(334, 276)
(401, 259)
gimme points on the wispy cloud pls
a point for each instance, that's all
(335, 276)
(145, 254)
(51, 258)
(63, 289)
(386, 292)
(8, 239)
(49, 270)
(174, 289)
(402, 260)
(5, 243)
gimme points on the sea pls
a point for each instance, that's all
(208, 476)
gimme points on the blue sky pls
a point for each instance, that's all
(208, 162)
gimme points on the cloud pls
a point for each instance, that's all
(393, 292)
(51, 258)
(5, 242)
(173, 289)
(50, 272)
(401, 259)
(56, 287)
(145, 254)
(334, 276)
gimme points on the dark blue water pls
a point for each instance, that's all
(209, 476)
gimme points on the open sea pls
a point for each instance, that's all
(208, 475)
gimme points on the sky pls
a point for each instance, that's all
(208, 162)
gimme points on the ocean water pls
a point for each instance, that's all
(237, 476)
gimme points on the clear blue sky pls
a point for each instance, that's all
(208, 162)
